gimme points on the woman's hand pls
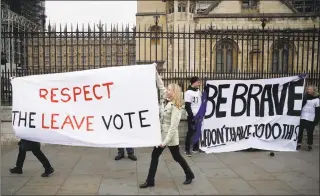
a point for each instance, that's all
(162, 146)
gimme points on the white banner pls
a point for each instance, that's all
(108, 107)
(261, 114)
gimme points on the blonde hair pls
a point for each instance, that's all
(177, 95)
(315, 90)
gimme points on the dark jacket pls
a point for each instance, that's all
(27, 145)
(317, 109)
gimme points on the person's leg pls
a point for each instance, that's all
(130, 152)
(189, 136)
(20, 160)
(300, 134)
(157, 151)
(310, 129)
(175, 152)
(45, 162)
(120, 154)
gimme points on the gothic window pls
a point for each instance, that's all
(155, 31)
(249, 3)
(191, 8)
(170, 7)
(226, 54)
(282, 53)
(181, 7)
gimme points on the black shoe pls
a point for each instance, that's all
(188, 154)
(47, 172)
(298, 147)
(118, 157)
(309, 148)
(195, 151)
(16, 170)
(132, 157)
(189, 178)
(146, 185)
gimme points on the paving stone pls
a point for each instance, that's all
(55, 179)
(271, 165)
(232, 186)
(88, 184)
(219, 173)
(38, 190)
(251, 172)
(118, 187)
(162, 187)
(275, 187)
(211, 164)
(10, 185)
(199, 186)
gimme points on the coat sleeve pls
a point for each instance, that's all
(161, 87)
(317, 113)
(175, 120)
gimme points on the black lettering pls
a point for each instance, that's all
(296, 131)
(285, 129)
(219, 137)
(235, 96)
(261, 126)
(291, 131)
(14, 116)
(129, 116)
(23, 119)
(213, 137)
(31, 119)
(268, 130)
(211, 99)
(233, 134)
(266, 91)
(209, 136)
(279, 105)
(255, 98)
(221, 100)
(141, 118)
(274, 130)
(288, 133)
(204, 138)
(106, 124)
(293, 96)
(114, 121)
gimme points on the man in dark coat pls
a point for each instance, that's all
(34, 147)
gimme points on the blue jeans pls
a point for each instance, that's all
(129, 151)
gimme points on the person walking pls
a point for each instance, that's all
(130, 152)
(170, 115)
(34, 147)
(192, 98)
(310, 115)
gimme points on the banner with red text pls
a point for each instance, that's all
(107, 107)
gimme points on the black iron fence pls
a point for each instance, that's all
(224, 54)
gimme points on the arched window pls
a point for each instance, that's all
(191, 8)
(182, 7)
(282, 53)
(170, 7)
(226, 56)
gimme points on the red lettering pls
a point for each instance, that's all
(53, 121)
(89, 123)
(76, 122)
(94, 91)
(108, 89)
(76, 91)
(42, 123)
(43, 93)
(65, 94)
(53, 95)
(66, 121)
(86, 92)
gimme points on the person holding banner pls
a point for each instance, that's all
(192, 99)
(170, 115)
(34, 147)
(310, 115)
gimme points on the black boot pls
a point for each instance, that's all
(118, 157)
(16, 170)
(189, 177)
(146, 184)
(299, 147)
(132, 157)
(309, 148)
(47, 172)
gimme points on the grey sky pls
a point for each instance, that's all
(84, 12)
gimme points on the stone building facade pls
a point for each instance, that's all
(233, 45)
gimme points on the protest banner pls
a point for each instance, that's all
(107, 107)
(261, 114)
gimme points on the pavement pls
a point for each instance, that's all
(93, 171)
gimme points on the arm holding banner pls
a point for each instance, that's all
(317, 114)
(161, 87)
(175, 120)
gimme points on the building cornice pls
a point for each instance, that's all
(259, 15)
(150, 13)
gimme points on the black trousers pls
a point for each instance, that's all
(129, 151)
(34, 147)
(175, 152)
(308, 125)
(190, 133)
